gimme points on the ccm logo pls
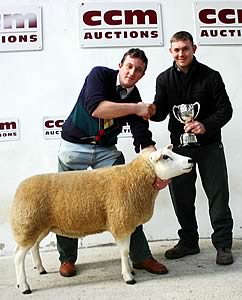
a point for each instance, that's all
(119, 17)
(54, 123)
(226, 16)
(8, 125)
(10, 21)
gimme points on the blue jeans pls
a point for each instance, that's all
(80, 157)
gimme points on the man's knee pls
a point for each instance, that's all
(62, 167)
(120, 160)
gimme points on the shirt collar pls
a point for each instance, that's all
(128, 89)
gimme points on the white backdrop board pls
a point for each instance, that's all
(39, 88)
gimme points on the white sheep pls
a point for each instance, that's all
(115, 199)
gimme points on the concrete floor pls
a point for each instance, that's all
(194, 277)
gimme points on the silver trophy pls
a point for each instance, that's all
(185, 113)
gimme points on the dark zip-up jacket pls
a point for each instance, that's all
(201, 84)
(100, 85)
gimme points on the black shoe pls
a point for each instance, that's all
(180, 251)
(224, 256)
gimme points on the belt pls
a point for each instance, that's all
(88, 140)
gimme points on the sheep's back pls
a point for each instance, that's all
(68, 202)
(79, 203)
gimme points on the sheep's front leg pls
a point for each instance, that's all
(19, 259)
(123, 245)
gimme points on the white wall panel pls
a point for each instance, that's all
(42, 83)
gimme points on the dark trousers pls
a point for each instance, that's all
(210, 161)
(139, 248)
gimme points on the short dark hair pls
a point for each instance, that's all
(181, 36)
(136, 53)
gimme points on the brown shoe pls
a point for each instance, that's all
(151, 265)
(67, 269)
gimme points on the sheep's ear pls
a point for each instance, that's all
(170, 146)
(156, 155)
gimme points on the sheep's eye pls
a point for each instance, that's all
(165, 157)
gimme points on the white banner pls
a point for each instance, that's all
(9, 129)
(218, 23)
(52, 127)
(120, 24)
(20, 28)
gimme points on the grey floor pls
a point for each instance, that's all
(98, 277)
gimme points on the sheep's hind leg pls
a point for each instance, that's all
(37, 263)
(19, 259)
(123, 245)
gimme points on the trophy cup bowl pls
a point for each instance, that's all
(185, 113)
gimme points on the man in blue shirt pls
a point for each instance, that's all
(108, 100)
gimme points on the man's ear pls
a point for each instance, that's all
(194, 48)
(142, 75)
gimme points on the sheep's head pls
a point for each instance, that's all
(168, 164)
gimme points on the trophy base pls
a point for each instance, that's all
(189, 145)
(188, 140)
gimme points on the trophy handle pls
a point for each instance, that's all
(198, 109)
(174, 110)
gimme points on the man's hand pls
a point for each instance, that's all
(143, 110)
(152, 111)
(152, 108)
(160, 184)
(146, 110)
(150, 148)
(195, 127)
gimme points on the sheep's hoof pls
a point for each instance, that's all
(43, 272)
(27, 292)
(133, 272)
(130, 281)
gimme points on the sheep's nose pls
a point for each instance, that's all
(190, 161)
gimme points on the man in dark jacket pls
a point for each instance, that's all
(188, 82)
(108, 100)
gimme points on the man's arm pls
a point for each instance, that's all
(160, 109)
(109, 110)
(224, 110)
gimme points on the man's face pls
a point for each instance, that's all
(182, 52)
(131, 71)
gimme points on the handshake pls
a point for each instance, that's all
(146, 110)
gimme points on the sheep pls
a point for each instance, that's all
(115, 199)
